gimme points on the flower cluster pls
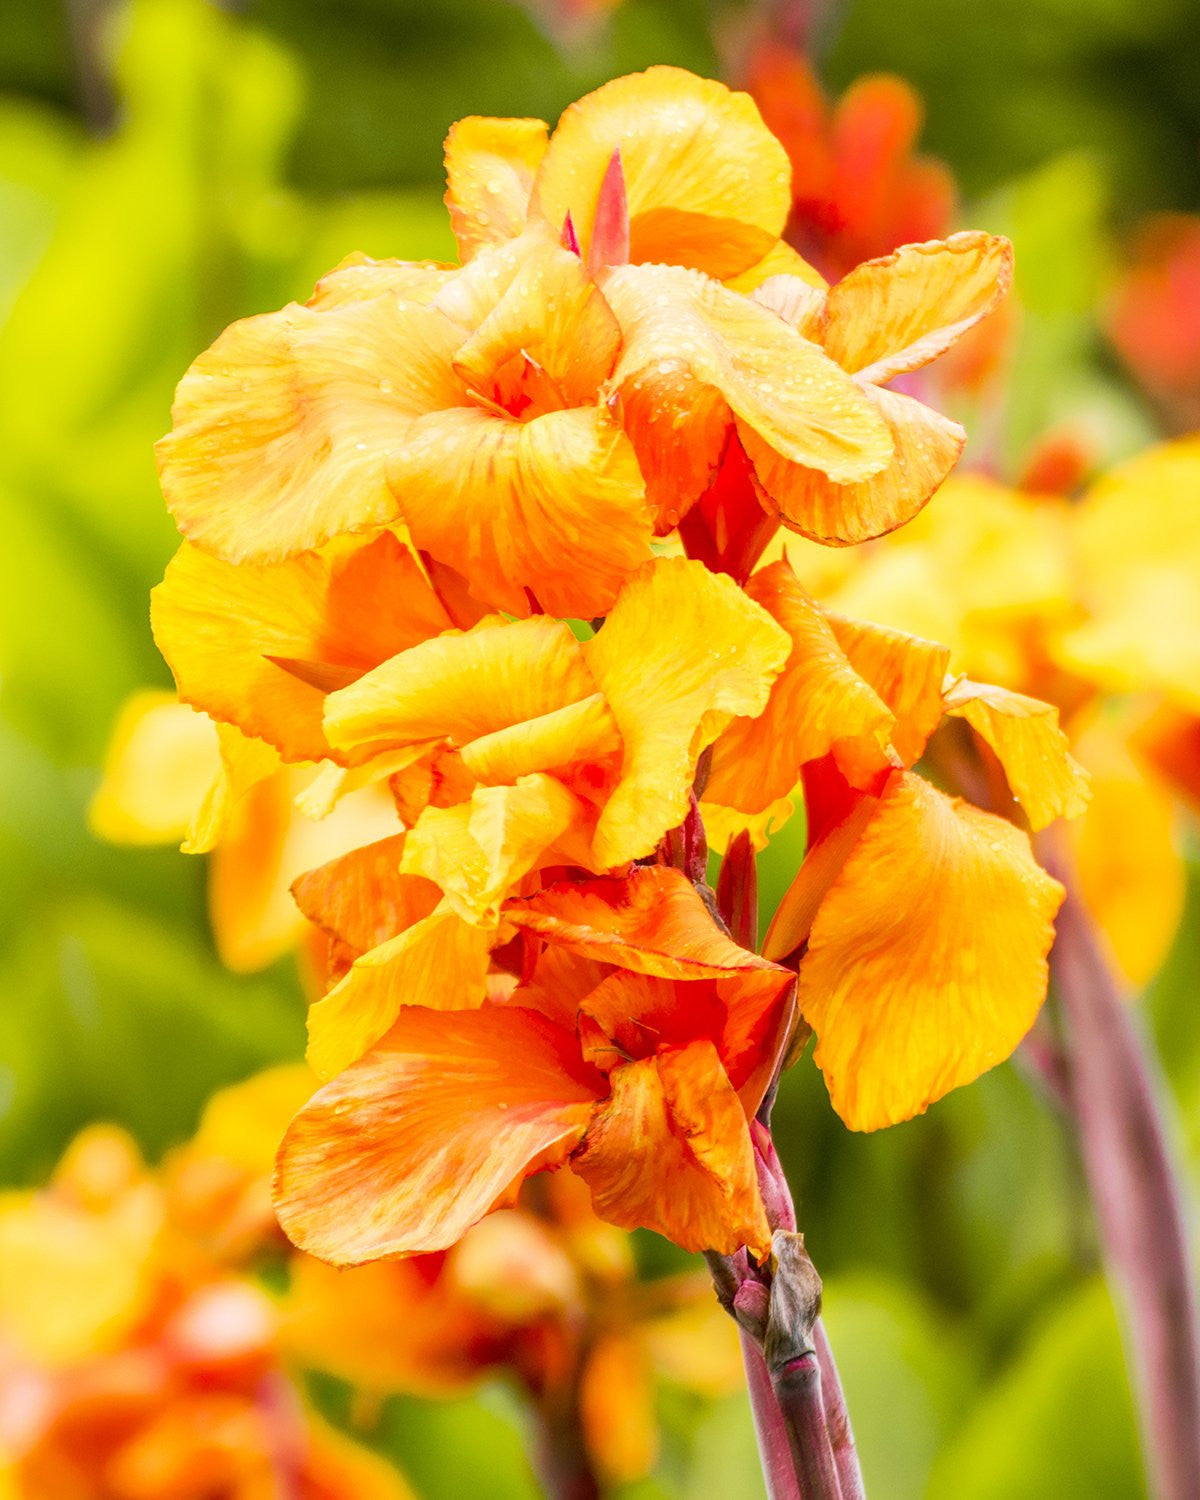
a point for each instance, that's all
(482, 543)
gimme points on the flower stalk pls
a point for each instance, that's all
(1115, 1106)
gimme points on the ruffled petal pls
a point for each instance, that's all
(490, 166)
(696, 354)
(818, 700)
(1024, 733)
(682, 653)
(926, 963)
(440, 962)
(578, 734)
(282, 429)
(925, 447)
(478, 851)
(359, 277)
(670, 1151)
(414, 1143)
(707, 183)
(903, 310)
(550, 339)
(554, 506)
(258, 646)
(464, 687)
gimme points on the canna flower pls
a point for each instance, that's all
(130, 1366)
(914, 981)
(636, 1053)
(534, 415)
(858, 192)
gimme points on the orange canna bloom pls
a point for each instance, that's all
(635, 1052)
(536, 414)
(857, 189)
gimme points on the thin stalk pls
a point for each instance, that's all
(1115, 1105)
(837, 1418)
(774, 1446)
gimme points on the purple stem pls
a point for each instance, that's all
(837, 1419)
(774, 1445)
(1114, 1098)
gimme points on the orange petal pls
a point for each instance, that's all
(707, 183)
(490, 165)
(160, 761)
(682, 653)
(616, 1407)
(908, 673)
(926, 964)
(670, 1151)
(651, 922)
(818, 699)
(780, 260)
(282, 429)
(439, 962)
(1170, 742)
(362, 899)
(413, 1144)
(328, 616)
(695, 353)
(925, 447)
(903, 310)
(464, 687)
(243, 763)
(478, 851)
(555, 505)
(1031, 747)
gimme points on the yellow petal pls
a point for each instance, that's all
(583, 732)
(243, 763)
(253, 645)
(926, 963)
(925, 447)
(359, 277)
(670, 1151)
(818, 699)
(780, 260)
(899, 312)
(907, 672)
(160, 761)
(478, 851)
(708, 184)
(1137, 550)
(282, 429)
(1126, 846)
(555, 505)
(681, 654)
(1030, 746)
(490, 164)
(463, 687)
(439, 962)
(413, 1144)
(696, 355)
(550, 315)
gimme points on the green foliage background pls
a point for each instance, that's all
(166, 167)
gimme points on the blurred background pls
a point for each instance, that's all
(167, 166)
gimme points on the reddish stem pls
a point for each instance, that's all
(1114, 1099)
(774, 1446)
